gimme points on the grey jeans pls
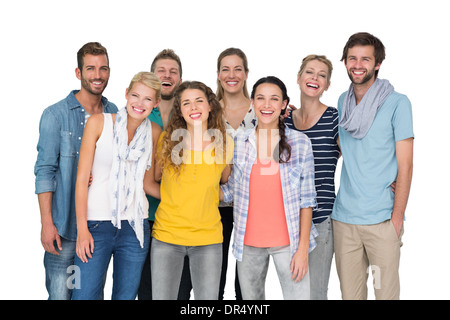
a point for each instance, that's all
(167, 262)
(320, 260)
(252, 271)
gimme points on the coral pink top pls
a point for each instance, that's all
(266, 221)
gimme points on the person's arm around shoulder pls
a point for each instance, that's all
(92, 132)
(404, 153)
(151, 187)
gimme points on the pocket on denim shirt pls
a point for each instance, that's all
(68, 144)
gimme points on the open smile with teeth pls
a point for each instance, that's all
(195, 116)
(312, 85)
(138, 110)
(97, 83)
(166, 84)
(266, 113)
(358, 73)
(232, 83)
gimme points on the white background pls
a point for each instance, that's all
(39, 41)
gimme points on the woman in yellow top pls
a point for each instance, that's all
(192, 160)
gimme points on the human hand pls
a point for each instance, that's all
(85, 245)
(299, 266)
(49, 235)
(393, 184)
(288, 110)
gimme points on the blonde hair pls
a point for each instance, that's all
(149, 79)
(320, 58)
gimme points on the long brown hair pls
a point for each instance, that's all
(215, 121)
(284, 149)
(231, 52)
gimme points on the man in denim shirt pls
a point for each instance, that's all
(60, 132)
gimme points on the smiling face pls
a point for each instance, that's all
(360, 64)
(141, 100)
(168, 71)
(94, 75)
(314, 80)
(194, 107)
(268, 103)
(232, 74)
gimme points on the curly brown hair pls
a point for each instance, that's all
(171, 138)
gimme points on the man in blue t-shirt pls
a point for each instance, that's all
(376, 135)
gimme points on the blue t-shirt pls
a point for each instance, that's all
(370, 165)
(323, 136)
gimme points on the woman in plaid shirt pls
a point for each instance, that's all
(272, 187)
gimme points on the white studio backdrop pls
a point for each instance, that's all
(39, 41)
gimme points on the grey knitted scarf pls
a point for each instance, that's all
(357, 119)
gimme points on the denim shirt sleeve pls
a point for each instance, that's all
(48, 153)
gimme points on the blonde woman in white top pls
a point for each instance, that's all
(118, 150)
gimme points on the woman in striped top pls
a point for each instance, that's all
(320, 123)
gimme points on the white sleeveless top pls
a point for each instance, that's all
(98, 202)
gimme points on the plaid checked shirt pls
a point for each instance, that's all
(297, 183)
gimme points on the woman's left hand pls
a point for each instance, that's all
(299, 266)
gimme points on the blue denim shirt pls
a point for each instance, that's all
(60, 132)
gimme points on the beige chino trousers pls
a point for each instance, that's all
(360, 248)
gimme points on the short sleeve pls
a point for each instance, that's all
(402, 120)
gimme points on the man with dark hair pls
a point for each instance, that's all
(60, 132)
(376, 138)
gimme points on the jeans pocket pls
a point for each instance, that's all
(93, 225)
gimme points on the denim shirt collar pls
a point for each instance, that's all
(73, 103)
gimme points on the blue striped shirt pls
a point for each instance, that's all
(297, 184)
(323, 136)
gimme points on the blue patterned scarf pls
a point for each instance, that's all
(127, 173)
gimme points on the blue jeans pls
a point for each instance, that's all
(167, 260)
(128, 261)
(58, 270)
(253, 268)
(320, 260)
